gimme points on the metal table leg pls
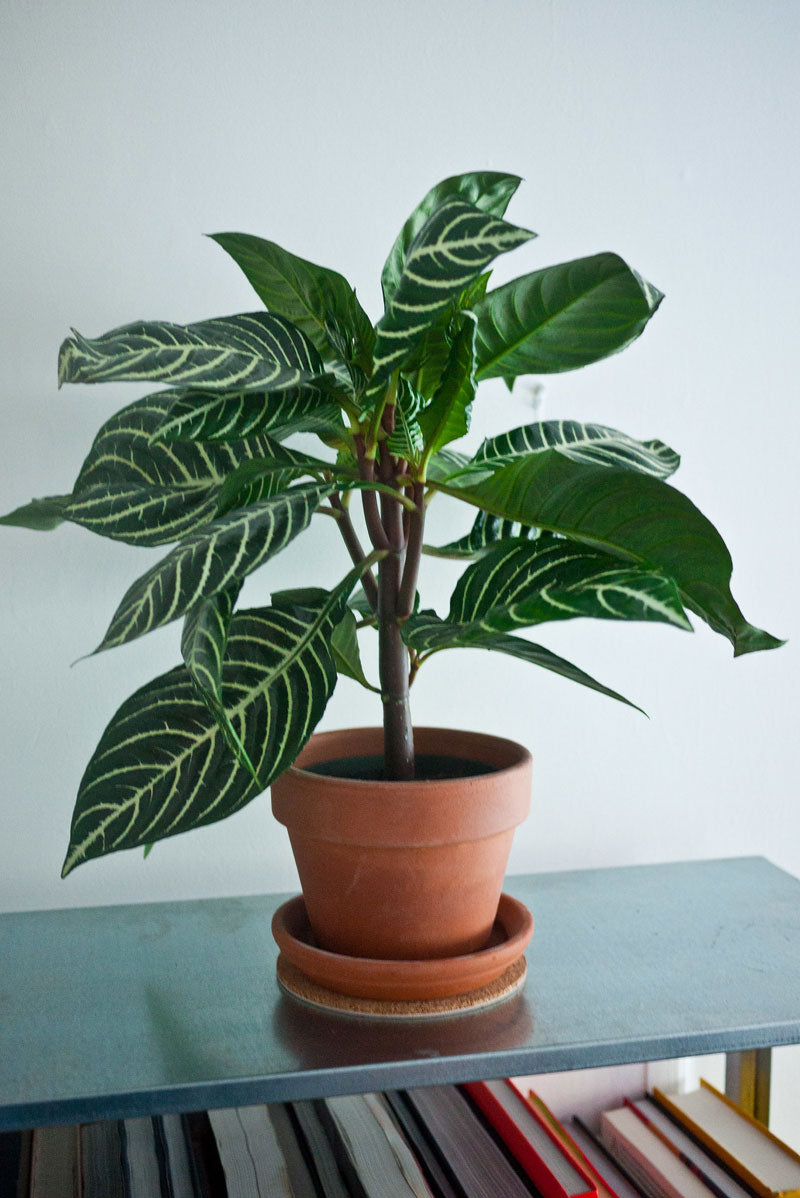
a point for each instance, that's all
(747, 1080)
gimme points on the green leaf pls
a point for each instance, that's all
(562, 317)
(406, 440)
(635, 516)
(486, 531)
(163, 765)
(211, 560)
(591, 443)
(427, 362)
(427, 633)
(346, 654)
(454, 245)
(40, 515)
(521, 582)
(140, 492)
(489, 191)
(205, 635)
(252, 351)
(261, 478)
(344, 638)
(310, 296)
(196, 415)
(360, 604)
(445, 464)
(446, 418)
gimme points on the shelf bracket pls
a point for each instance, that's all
(747, 1081)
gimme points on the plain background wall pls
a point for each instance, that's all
(663, 130)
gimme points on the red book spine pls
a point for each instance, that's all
(519, 1144)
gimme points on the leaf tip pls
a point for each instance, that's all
(753, 640)
(70, 862)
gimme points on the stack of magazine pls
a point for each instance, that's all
(481, 1140)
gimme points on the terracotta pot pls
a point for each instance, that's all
(403, 870)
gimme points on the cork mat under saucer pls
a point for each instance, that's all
(299, 986)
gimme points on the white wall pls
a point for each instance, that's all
(664, 131)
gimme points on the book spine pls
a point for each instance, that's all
(637, 1165)
(519, 1144)
(604, 1189)
(710, 1144)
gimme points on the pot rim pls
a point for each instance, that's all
(519, 755)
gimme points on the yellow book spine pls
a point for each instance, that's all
(726, 1157)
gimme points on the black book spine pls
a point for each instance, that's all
(15, 1163)
(207, 1172)
(441, 1184)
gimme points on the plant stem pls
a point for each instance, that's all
(385, 527)
(416, 530)
(353, 545)
(398, 734)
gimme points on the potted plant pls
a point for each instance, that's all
(393, 823)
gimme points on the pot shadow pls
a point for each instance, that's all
(322, 1040)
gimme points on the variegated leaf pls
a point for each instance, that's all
(562, 317)
(252, 351)
(454, 245)
(134, 490)
(426, 364)
(406, 440)
(523, 582)
(163, 765)
(636, 517)
(196, 415)
(261, 478)
(205, 635)
(428, 634)
(40, 515)
(485, 532)
(344, 638)
(212, 559)
(446, 464)
(447, 416)
(591, 443)
(311, 296)
(488, 191)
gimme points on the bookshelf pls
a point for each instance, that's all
(112, 1012)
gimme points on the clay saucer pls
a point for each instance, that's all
(368, 977)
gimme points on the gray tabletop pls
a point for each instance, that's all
(128, 1010)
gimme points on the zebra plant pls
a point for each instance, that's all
(568, 520)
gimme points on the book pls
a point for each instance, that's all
(318, 1150)
(466, 1148)
(372, 1153)
(208, 1177)
(592, 1149)
(174, 1153)
(301, 1179)
(100, 1160)
(249, 1153)
(552, 1170)
(15, 1163)
(438, 1179)
(715, 1178)
(140, 1161)
(745, 1146)
(609, 1181)
(656, 1170)
(54, 1162)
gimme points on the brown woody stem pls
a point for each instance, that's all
(416, 531)
(353, 545)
